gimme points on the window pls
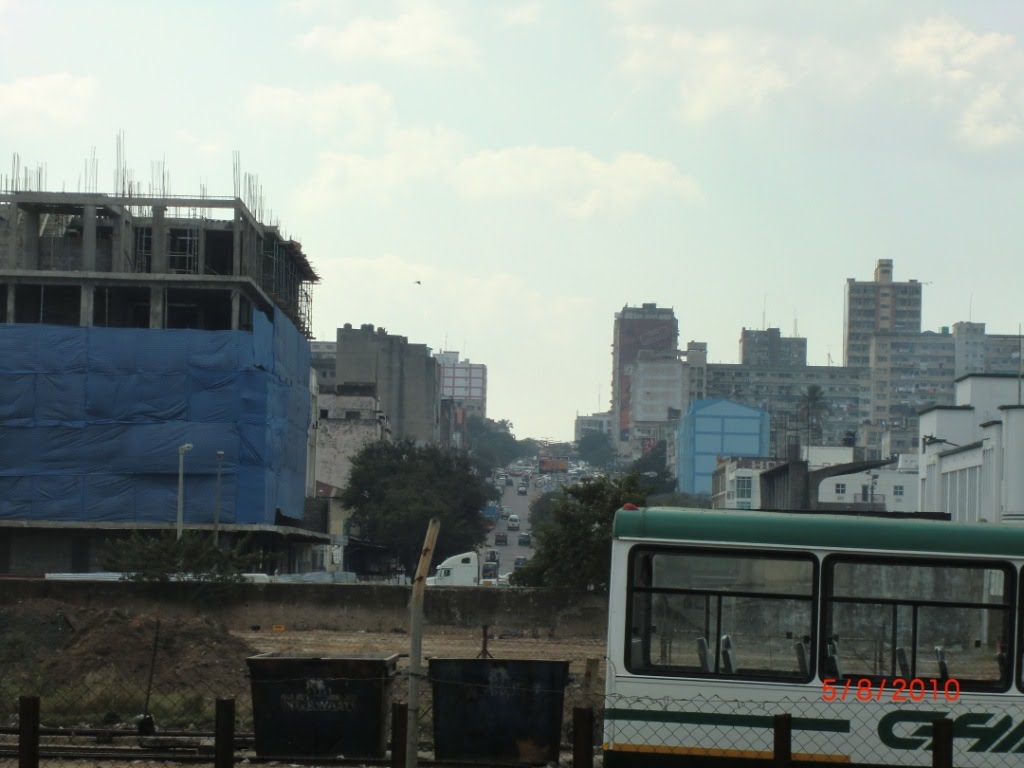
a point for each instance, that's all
(897, 490)
(743, 487)
(926, 619)
(716, 613)
(840, 489)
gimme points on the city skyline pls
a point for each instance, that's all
(500, 180)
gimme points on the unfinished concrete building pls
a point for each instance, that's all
(131, 326)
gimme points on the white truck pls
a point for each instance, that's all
(457, 571)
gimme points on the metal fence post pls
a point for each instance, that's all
(399, 727)
(782, 726)
(224, 734)
(942, 743)
(28, 732)
(583, 737)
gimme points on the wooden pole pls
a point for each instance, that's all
(583, 737)
(942, 743)
(224, 734)
(419, 585)
(782, 726)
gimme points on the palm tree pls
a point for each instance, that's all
(813, 408)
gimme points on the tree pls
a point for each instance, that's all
(541, 508)
(596, 449)
(813, 408)
(395, 488)
(194, 558)
(573, 548)
(655, 476)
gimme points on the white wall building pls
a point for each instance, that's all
(463, 382)
(736, 482)
(656, 400)
(595, 422)
(972, 453)
(346, 423)
(894, 486)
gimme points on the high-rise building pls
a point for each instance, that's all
(769, 349)
(464, 383)
(879, 306)
(154, 371)
(980, 352)
(407, 379)
(647, 328)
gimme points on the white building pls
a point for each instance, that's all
(464, 383)
(972, 452)
(346, 422)
(595, 422)
(894, 486)
(655, 401)
(736, 482)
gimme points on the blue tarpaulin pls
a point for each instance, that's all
(91, 420)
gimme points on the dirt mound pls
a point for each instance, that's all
(33, 629)
(190, 653)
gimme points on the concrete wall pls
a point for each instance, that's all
(339, 607)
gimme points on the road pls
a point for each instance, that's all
(520, 505)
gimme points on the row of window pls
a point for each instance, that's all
(760, 616)
(841, 489)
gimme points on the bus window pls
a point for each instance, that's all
(900, 619)
(716, 612)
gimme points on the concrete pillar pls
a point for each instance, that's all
(160, 264)
(89, 238)
(236, 244)
(86, 305)
(201, 269)
(13, 257)
(236, 306)
(10, 302)
(156, 307)
(30, 259)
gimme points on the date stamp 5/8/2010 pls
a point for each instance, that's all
(897, 689)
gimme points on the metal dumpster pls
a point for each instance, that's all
(498, 709)
(307, 704)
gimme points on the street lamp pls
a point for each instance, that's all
(216, 508)
(182, 449)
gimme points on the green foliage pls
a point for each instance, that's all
(654, 474)
(541, 508)
(395, 488)
(164, 557)
(596, 449)
(573, 548)
(492, 444)
(814, 408)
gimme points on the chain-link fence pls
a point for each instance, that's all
(173, 716)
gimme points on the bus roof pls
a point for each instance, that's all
(819, 531)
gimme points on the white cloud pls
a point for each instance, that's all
(945, 50)
(991, 120)
(717, 71)
(628, 8)
(579, 183)
(978, 75)
(358, 107)
(409, 156)
(521, 15)
(422, 33)
(43, 102)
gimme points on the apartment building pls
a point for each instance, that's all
(877, 306)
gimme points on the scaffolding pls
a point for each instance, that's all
(286, 277)
(183, 250)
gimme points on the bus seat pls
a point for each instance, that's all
(940, 657)
(801, 658)
(832, 666)
(903, 664)
(704, 654)
(729, 665)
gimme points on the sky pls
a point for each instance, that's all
(539, 165)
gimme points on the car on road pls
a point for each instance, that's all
(519, 562)
(513, 522)
(501, 539)
(509, 480)
(523, 490)
(525, 540)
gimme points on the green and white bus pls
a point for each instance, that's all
(865, 630)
